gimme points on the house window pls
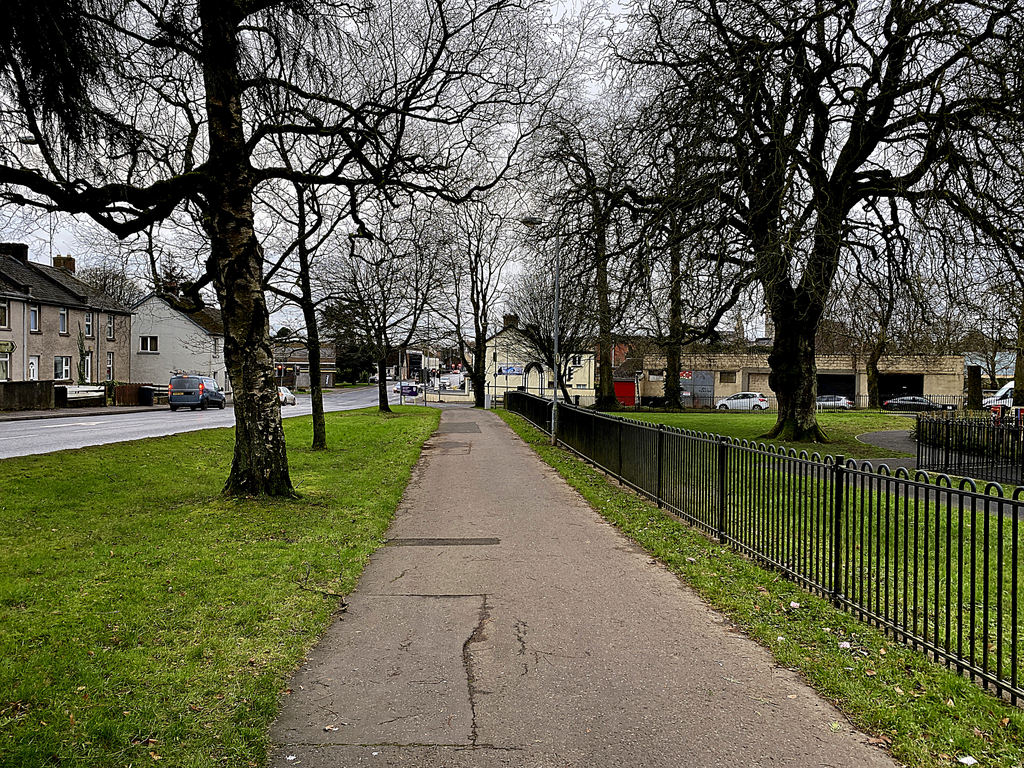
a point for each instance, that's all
(727, 377)
(62, 321)
(577, 359)
(149, 344)
(110, 366)
(5, 366)
(5, 313)
(110, 327)
(61, 368)
(88, 325)
(33, 318)
(88, 367)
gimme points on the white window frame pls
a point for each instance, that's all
(149, 344)
(110, 327)
(65, 368)
(88, 367)
(88, 325)
(35, 314)
(110, 366)
(5, 366)
(62, 321)
(33, 359)
(5, 313)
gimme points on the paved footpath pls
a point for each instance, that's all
(506, 624)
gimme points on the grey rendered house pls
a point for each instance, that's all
(51, 323)
(167, 341)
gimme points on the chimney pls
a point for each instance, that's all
(67, 263)
(17, 251)
(510, 321)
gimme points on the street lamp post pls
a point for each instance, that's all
(533, 221)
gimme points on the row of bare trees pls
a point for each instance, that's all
(134, 114)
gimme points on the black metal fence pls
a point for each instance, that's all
(969, 447)
(935, 566)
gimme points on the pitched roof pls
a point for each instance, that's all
(49, 285)
(207, 318)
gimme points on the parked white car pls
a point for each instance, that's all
(743, 401)
(1003, 397)
(833, 403)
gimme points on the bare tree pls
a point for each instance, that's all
(384, 283)
(821, 109)
(480, 251)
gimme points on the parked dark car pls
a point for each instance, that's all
(915, 403)
(194, 392)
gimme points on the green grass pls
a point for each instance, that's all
(926, 715)
(142, 614)
(842, 429)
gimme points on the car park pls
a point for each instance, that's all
(285, 396)
(194, 392)
(833, 403)
(915, 403)
(743, 401)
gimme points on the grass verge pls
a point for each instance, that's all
(926, 715)
(842, 429)
(144, 617)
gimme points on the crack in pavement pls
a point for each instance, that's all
(521, 629)
(477, 636)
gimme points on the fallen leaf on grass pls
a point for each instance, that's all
(967, 760)
(155, 756)
(870, 673)
(880, 740)
(1004, 722)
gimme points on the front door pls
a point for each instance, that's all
(33, 368)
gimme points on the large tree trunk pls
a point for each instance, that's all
(312, 330)
(260, 464)
(673, 350)
(877, 349)
(606, 383)
(316, 377)
(793, 378)
(382, 386)
(478, 371)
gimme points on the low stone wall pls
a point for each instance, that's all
(26, 395)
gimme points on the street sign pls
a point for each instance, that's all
(510, 370)
(686, 374)
(410, 390)
(7, 347)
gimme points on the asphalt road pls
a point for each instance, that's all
(23, 438)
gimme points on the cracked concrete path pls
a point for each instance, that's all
(506, 624)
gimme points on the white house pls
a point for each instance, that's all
(166, 341)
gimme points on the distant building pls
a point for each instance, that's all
(728, 373)
(52, 324)
(166, 341)
(512, 364)
(291, 364)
